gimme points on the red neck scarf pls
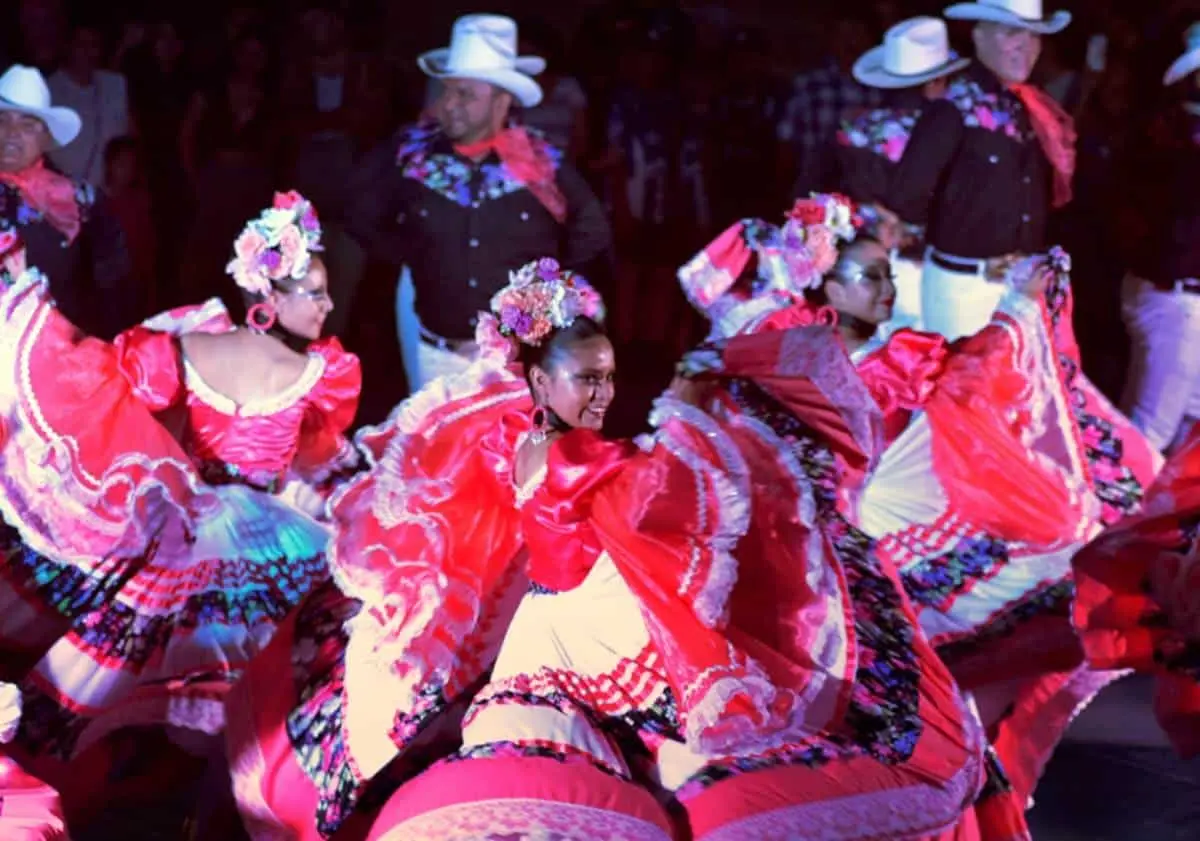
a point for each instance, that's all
(526, 161)
(1055, 131)
(50, 194)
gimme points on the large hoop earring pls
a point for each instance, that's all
(261, 317)
(541, 426)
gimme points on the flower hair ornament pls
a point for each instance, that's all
(13, 268)
(791, 258)
(540, 297)
(275, 247)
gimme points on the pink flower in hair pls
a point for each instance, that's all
(276, 246)
(249, 245)
(542, 297)
(493, 343)
(822, 249)
(291, 247)
(288, 200)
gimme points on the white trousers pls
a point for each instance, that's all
(423, 362)
(1162, 388)
(907, 311)
(956, 304)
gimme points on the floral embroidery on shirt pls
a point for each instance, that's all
(454, 176)
(988, 111)
(883, 131)
(15, 212)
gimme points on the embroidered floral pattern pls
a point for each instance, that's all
(455, 177)
(64, 589)
(1114, 483)
(988, 111)
(315, 727)
(883, 720)
(934, 582)
(1052, 600)
(112, 631)
(883, 131)
(15, 212)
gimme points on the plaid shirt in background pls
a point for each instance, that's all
(820, 97)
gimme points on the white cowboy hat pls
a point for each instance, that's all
(914, 51)
(484, 47)
(22, 89)
(1189, 62)
(1023, 14)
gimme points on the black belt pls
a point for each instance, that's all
(988, 268)
(959, 265)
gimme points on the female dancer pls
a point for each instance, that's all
(641, 656)
(1138, 593)
(979, 513)
(142, 561)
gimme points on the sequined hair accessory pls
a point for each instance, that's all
(276, 246)
(540, 298)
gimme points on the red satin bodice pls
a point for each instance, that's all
(902, 375)
(555, 521)
(301, 428)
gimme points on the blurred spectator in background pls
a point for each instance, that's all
(821, 97)
(562, 113)
(41, 33)
(657, 189)
(152, 58)
(228, 146)
(128, 194)
(744, 142)
(98, 96)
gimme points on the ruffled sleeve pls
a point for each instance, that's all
(90, 475)
(323, 448)
(902, 374)
(996, 408)
(562, 544)
(429, 540)
(808, 371)
(150, 362)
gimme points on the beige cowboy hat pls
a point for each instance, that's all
(1189, 62)
(913, 52)
(484, 47)
(1023, 14)
(22, 89)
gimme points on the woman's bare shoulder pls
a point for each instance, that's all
(242, 360)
